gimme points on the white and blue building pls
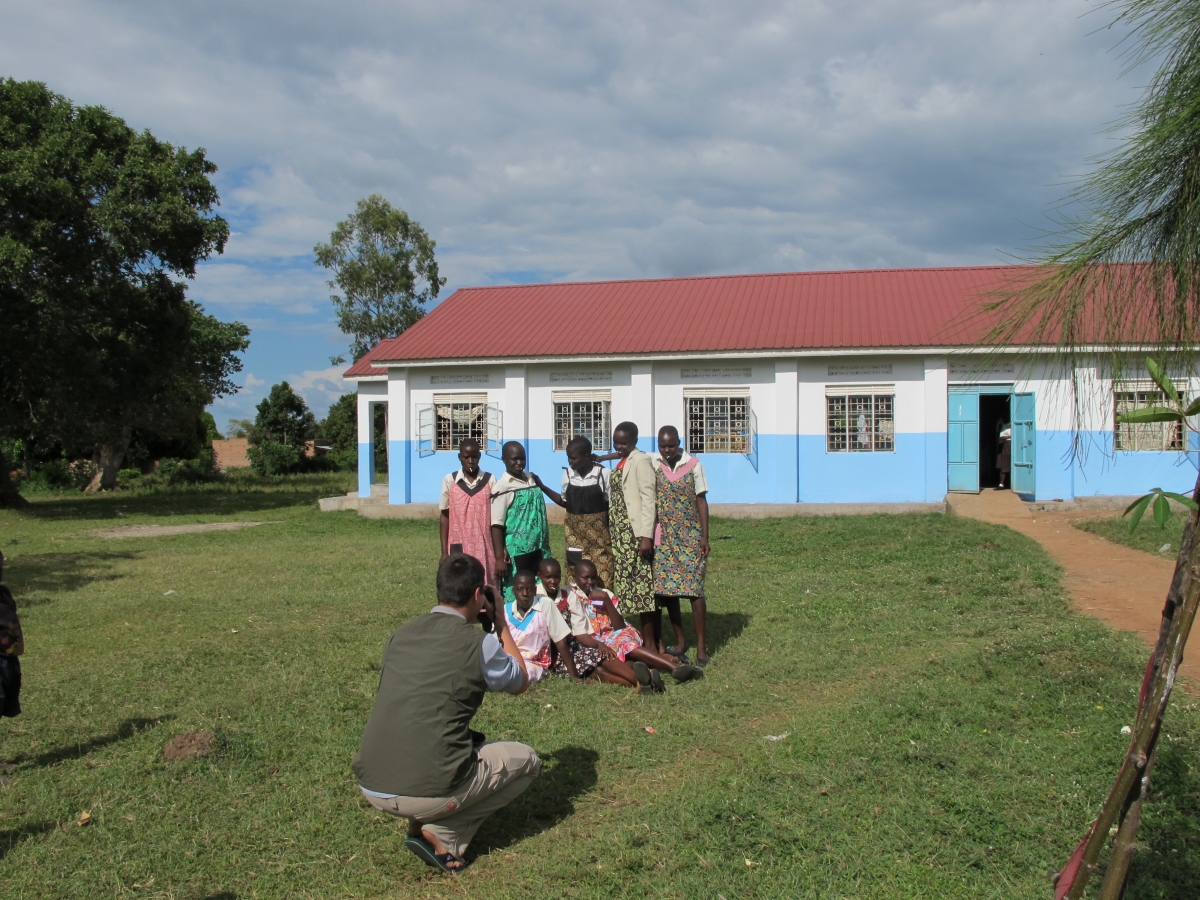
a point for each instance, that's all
(805, 388)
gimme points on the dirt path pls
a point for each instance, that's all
(1124, 587)
(128, 531)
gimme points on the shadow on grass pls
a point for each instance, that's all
(61, 572)
(172, 503)
(722, 627)
(1167, 863)
(566, 774)
(10, 838)
(127, 729)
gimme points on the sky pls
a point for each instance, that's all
(566, 141)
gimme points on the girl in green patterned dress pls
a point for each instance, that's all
(520, 530)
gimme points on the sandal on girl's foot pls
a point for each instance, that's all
(424, 851)
(702, 661)
(677, 652)
(641, 671)
(686, 673)
(656, 682)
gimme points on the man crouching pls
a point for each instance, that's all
(419, 757)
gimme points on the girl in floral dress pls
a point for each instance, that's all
(609, 626)
(631, 527)
(681, 539)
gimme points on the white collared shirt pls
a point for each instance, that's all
(502, 494)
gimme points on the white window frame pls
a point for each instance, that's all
(1132, 437)
(573, 404)
(874, 408)
(738, 433)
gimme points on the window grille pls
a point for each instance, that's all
(587, 414)
(457, 417)
(1143, 435)
(718, 425)
(860, 422)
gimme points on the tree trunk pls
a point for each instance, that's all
(1124, 804)
(107, 462)
(9, 497)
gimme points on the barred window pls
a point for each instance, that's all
(459, 416)
(859, 422)
(1144, 435)
(588, 416)
(718, 424)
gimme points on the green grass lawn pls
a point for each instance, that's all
(1147, 536)
(951, 726)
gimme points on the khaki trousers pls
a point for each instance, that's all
(504, 770)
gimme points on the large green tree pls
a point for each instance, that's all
(1125, 275)
(383, 264)
(100, 226)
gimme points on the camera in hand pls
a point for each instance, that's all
(484, 618)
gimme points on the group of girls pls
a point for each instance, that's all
(637, 539)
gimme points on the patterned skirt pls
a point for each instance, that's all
(622, 640)
(633, 577)
(589, 532)
(587, 659)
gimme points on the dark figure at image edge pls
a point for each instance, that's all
(12, 645)
(419, 758)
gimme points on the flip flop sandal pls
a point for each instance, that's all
(676, 652)
(424, 851)
(686, 673)
(642, 672)
(656, 682)
(702, 661)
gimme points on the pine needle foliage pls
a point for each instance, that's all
(1125, 275)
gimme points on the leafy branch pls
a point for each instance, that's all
(1179, 411)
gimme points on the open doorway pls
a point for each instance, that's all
(995, 414)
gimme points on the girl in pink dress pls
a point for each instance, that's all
(466, 504)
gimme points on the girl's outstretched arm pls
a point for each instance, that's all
(549, 492)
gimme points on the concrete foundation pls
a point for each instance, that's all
(377, 507)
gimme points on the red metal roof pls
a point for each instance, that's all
(884, 308)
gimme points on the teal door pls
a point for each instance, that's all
(1023, 445)
(962, 433)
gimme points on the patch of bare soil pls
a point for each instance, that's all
(128, 531)
(189, 745)
(1123, 586)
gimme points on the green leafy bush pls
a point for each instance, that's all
(274, 458)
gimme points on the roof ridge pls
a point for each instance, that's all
(549, 284)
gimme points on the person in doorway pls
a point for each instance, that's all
(12, 645)
(419, 758)
(520, 530)
(681, 554)
(631, 530)
(1004, 452)
(585, 498)
(466, 506)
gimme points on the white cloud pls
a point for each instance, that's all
(542, 140)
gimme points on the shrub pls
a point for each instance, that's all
(274, 458)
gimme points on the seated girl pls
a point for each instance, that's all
(530, 623)
(610, 627)
(580, 654)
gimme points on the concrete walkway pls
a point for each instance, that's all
(1124, 587)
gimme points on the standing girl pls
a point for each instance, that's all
(466, 507)
(682, 537)
(631, 530)
(520, 530)
(584, 496)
